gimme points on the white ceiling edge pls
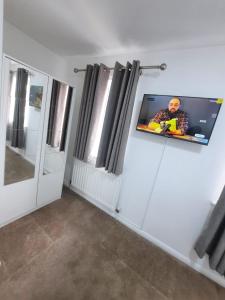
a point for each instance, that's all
(12, 30)
(31, 52)
(105, 27)
(172, 46)
(181, 45)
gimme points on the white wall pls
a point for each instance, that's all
(20, 46)
(168, 185)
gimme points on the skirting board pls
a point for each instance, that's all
(197, 267)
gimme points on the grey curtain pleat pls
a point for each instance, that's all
(87, 101)
(122, 94)
(52, 112)
(9, 125)
(66, 119)
(59, 114)
(114, 94)
(83, 105)
(101, 86)
(111, 158)
(18, 134)
(221, 266)
(212, 238)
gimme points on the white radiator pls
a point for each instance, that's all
(96, 185)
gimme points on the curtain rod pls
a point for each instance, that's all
(161, 67)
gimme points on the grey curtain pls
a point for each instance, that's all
(59, 114)
(18, 136)
(212, 238)
(9, 125)
(52, 112)
(103, 77)
(86, 107)
(117, 118)
(66, 119)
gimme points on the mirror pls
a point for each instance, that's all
(25, 92)
(61, 96)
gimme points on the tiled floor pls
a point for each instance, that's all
(72, 250)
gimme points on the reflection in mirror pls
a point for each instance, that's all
(23, 121)
(57, 127)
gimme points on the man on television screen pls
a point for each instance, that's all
(171, 120)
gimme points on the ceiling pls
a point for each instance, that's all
(102, 27)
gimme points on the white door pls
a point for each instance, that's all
(22, 110)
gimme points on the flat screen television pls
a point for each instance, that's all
(186, 118)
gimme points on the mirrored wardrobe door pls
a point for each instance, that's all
(54, 149)
(22, 118)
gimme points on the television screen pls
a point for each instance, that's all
(187, 118)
